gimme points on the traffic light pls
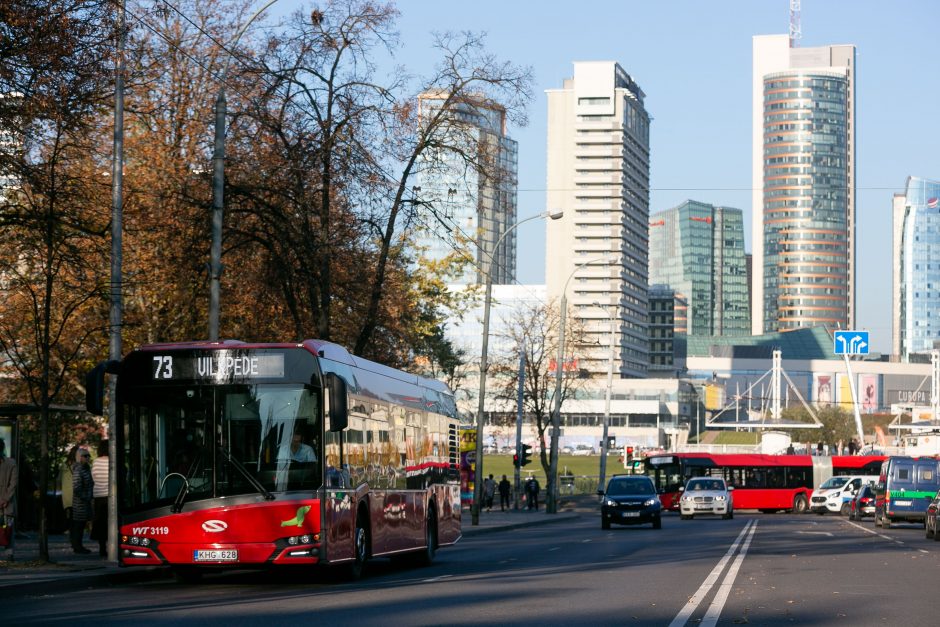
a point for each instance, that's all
(526, 451)
(519, 461)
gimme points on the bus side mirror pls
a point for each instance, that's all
(339, 411)
(94, 386)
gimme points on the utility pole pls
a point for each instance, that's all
(520, 397)
(117, 305)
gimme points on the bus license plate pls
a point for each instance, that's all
(903, 503)
(215, 555)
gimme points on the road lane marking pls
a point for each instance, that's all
(718, 603)
(686, 612)
(817, 533)
(436, 579)
(872, 532)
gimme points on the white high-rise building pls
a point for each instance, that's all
(803, 181)
(598, 173)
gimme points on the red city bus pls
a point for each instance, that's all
(765, 482)
(261, 455)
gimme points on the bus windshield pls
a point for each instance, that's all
(219, 440)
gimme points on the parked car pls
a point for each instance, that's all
(630, 500)
(583, 449)
(706, 495)
(930, 522)
(863, 503)
(567, 450)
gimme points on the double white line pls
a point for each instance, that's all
(714, 610)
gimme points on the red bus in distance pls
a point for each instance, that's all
(768, 483)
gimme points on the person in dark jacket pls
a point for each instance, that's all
(504, 489)
(82, 500)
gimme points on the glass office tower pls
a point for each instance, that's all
(697, 249)
(468, 204)
(917, 267)
(804, 186)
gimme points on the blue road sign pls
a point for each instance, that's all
(850, 343)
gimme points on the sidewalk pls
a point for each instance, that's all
(69, 570)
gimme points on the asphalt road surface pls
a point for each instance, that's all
(774, 569)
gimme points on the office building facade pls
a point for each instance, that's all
(598, 173)
(466, 207)
(803, 173)
(916, 276)
(698, 250)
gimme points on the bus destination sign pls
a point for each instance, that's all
(219, 365)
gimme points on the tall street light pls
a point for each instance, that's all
(551, 504)
(610, 384)
(218, 186)
(488, 262)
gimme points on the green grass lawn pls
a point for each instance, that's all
(738, 437)
(579, 465)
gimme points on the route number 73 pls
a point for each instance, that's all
(162, 367)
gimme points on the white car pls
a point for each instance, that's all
(706, 495)
(835, 495)
(583, 449)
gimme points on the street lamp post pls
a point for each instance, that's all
(551, 501)
(488, 261)
(610, 384)
(218, 187)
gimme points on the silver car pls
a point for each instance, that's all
(706, 495)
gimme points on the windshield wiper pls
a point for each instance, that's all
(247, 475)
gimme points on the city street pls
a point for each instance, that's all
(755, 569)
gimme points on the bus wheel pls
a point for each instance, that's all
(426, 557)
(360, 547)
(799, 504)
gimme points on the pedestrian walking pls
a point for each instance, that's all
(532, 493)
(65, 483)
(504, 489)
(489, 491)
(99, 474)
(8, 477)
(83, 493)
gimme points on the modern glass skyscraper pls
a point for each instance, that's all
(804, 186)
(598, 173)
(916, 267)
(469, 204)
(697, 249)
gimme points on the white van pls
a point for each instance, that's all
(835, 494)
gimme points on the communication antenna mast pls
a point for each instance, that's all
(796, 31)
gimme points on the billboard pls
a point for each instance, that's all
(868, 393)
(822, 390)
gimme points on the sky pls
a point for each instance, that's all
(692, 58)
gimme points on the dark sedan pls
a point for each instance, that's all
(630, 500)
(862, 504)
